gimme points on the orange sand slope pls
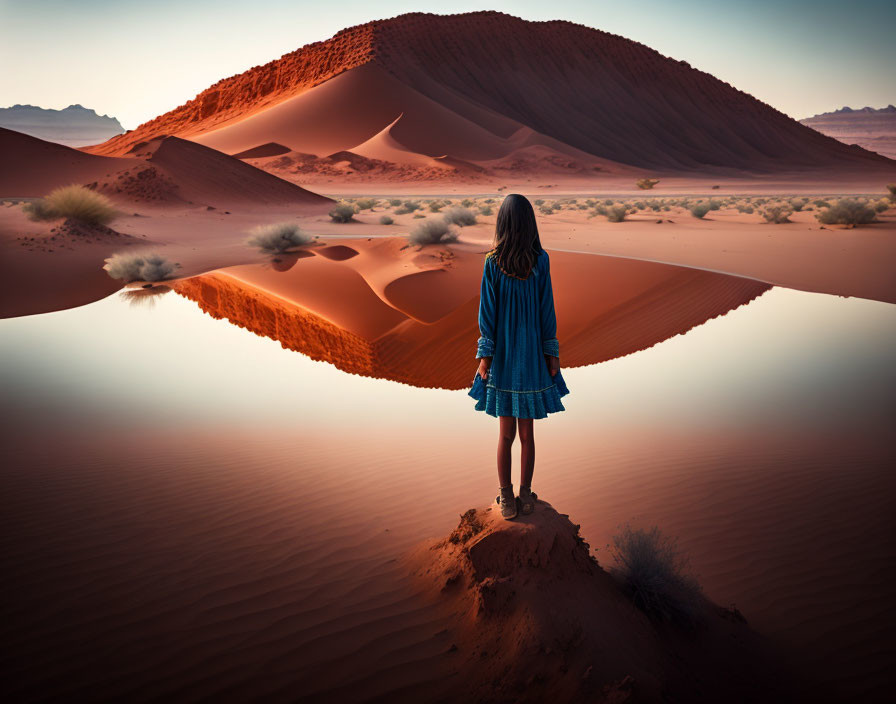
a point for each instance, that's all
(478, 85)
(529, 595)
(390, 312)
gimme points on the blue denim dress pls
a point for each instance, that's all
(517, 327)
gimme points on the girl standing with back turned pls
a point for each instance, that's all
(519, 378)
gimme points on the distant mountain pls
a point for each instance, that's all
(74, 126)
(483, 87)
(873, 129)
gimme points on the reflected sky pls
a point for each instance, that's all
(787, 358)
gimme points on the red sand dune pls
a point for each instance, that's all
(468, 83)
(169, 171)
(378, 314)
(31, 167)
(528, 595)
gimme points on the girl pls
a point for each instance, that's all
(519, 377)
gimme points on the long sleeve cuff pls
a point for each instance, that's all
(552, 347)
(485, 348)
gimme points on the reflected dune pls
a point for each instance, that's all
(411, 315)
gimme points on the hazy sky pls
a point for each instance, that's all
(135, 60)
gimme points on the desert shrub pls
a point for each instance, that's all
(366, 203)
(591, 202)
(715, 204)
(435, 206)
(699, 209)
(418, 216)
(538, 201)
(461, 216)
(75, 202)
(646, 183)
(277, 237)
(608, 201)
(485, 210)
(467, 203)
(616, 213)
(776, 213)
(882, 205)
(342, 212)
(847, 211)
(139, 267)
(395, 202)
(748, 209)
(408, 206)
(545, 210)
(386, 220)
(822, 204)
(433, 231)
(582, 206)
(653, 571)
(797, 204)
(891, 187)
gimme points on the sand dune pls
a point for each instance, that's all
(31, 167)
(458, 84)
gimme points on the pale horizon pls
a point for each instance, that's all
(799, 57)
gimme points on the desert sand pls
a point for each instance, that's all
(209, 559)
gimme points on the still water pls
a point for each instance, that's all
(762, 439)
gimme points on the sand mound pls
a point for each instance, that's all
(142, 184)
(537, 618)
(598, 93)
(207, 176)
(31, 167)
(262, 150)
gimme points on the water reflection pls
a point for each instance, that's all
(395, 321)
(145, 295)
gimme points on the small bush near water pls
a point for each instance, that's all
(278, 237)
(652, 569)
(75, 202)
(433, 231)
(140, 267)
(847, 211)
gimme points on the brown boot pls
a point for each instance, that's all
(507, 501)
(527, 500)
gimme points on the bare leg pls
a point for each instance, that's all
(527, 450)
(506, 435)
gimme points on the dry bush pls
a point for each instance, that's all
(891, 187)
(700, 209)
(386, 220)
(342, 212)
(616, 213)
(395, 202)
(847, 211)
(485, 210)
(646, 183)
(653, 571)
(776, 213)
(132, 267)
(75, 202)
(408, 206)
(278, 237)
(433, 231)
(461, 216)
(366, 203)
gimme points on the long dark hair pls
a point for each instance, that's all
(517, 245)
